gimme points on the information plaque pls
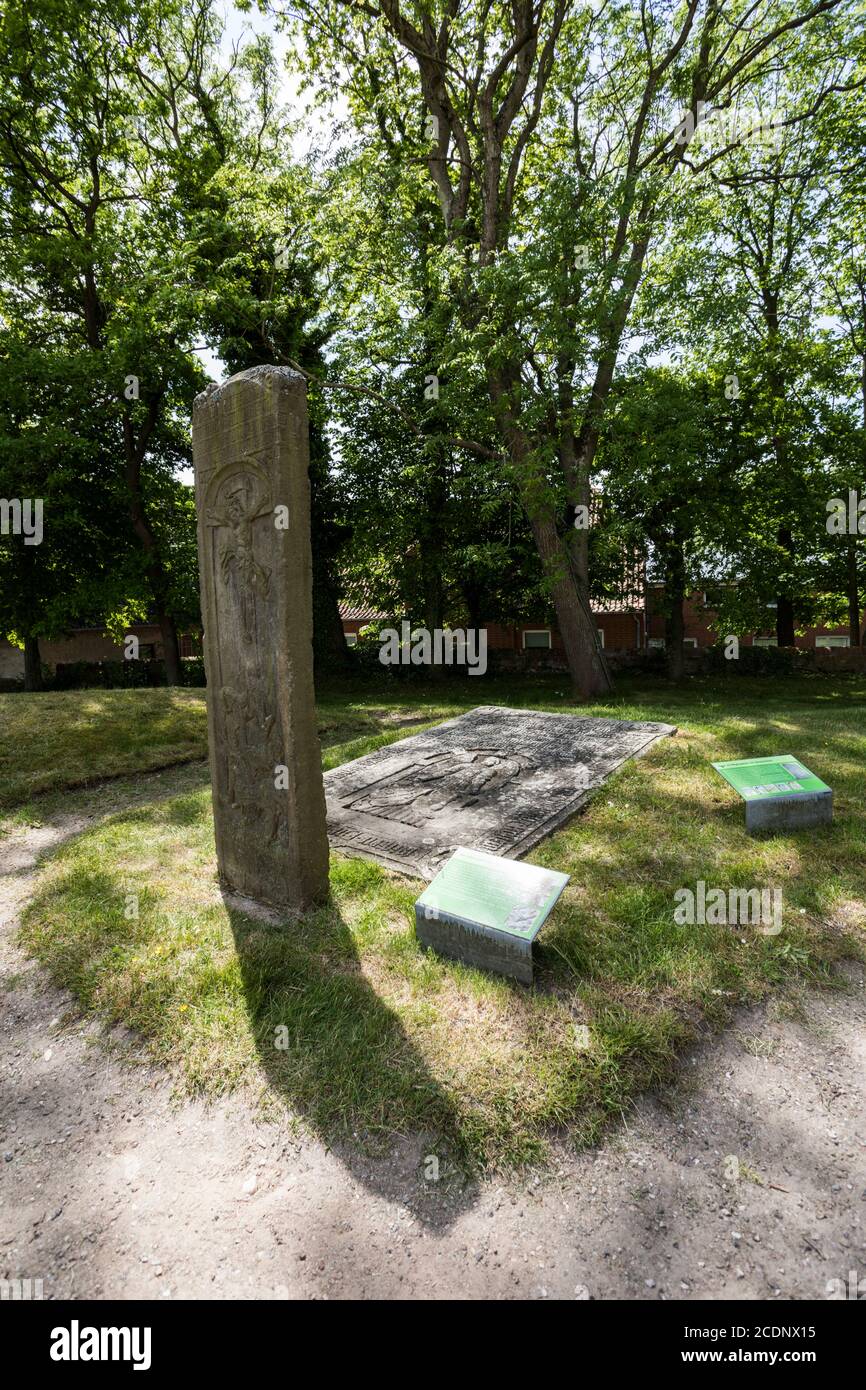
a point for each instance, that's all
(780, 792)
(487, 911)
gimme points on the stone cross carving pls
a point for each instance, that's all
(251, 451)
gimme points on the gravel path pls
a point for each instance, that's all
(747, 1180)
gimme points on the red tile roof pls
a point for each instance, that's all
(353, 612)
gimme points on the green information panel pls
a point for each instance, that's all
(486, 893)
(486, 911)
(762, 778)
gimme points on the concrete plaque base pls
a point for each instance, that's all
(790, 813)
(486, 949)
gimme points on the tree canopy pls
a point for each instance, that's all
(555, 258)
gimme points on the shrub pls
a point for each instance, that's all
(121, 675)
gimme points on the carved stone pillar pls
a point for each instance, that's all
(250, 449)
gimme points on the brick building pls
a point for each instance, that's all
(90, 644)
(629, 622)
(632, 621)
(699, 632)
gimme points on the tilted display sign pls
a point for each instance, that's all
(780, 792)
(487, 911)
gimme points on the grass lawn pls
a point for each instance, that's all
(72, 738)
(345, 1020)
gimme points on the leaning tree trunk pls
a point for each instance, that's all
(586, 664)
(32, 664)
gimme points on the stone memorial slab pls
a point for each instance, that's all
(250, 450)
(494, 779)
(779, 792)
(487, 911)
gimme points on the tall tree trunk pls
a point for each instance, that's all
(432, 538)
(852, 589)
(432, 584)
(154, 568)
(785, 635)
(853, 552)
(32, 663)
(170, 648)
(135, 450)
(586, 664)
(431, 580)
(431, 542)
(474, 598)
(674, 620)
(329, 641)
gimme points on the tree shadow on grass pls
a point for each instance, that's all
(341, 1059)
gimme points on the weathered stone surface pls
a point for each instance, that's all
(772, 814)
(494, 779)
(250, 448)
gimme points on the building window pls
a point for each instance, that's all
(833, 641)
(351, 639)
(690, 642)
(600, 631)
(764, 642)
(536, 637)
(656, 644)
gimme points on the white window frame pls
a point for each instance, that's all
(351, 639)
(535, 631)
(690, 642)
(832, 641)
(655, 644)
(600, 631)
(765, 642)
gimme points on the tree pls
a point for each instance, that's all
(669, 452)
(116, 122)
(551, 128)
(843, 274)
(263, 306)
(78, 560)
